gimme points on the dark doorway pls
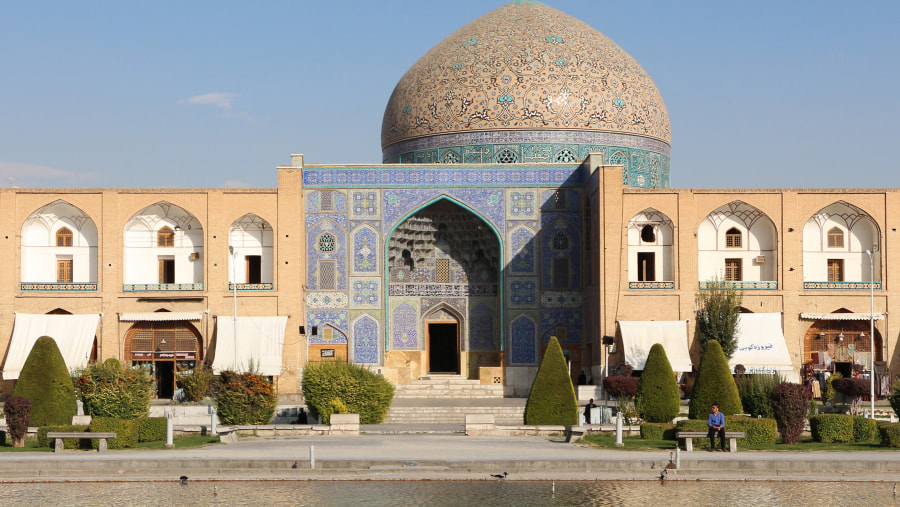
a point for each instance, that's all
(646, 267)
(254, 268)
(845, 369)
(165, 379)
(443, 348)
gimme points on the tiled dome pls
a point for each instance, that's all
(522, 70)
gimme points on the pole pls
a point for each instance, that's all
(872, 328)
(233, 253)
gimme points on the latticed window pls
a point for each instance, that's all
(174, 339)
(562, 333)
(835, 238)
(442, 271)
(733, 270)
(326, 243)
(326, 200)
(165, 237)
(450, 158)
(733, 238)
(507, 156)
(327, 275)
(559, 199)
(64, 237)
(559, 273)
(835, 270)
(64, 270)
(560, 241)
(566, 156)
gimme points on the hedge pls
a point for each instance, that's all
(358, 391)
(552, 397)
(46, 382)
(658, 431)
(68, 443)
(831, 428)
(890, 435)
(244, 398)
(126, 432)
(196, 384)
(756, 431)
(865, 430)
(151, 429)
(108, 390)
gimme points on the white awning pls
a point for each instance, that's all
(840, 316)
(159, 316)
(73, 334)
(259, 339)
(761, 347)
(639, 336)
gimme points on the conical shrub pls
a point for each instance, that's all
(552, 398)
(46, 382)
(657, 397)
(714, 385)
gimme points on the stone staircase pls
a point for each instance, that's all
(447, 400)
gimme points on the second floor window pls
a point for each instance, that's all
(64, 270)
(64, 237)
(835, 238)
(165, 237)
(733, 238)
(733, 270)
(835, 270)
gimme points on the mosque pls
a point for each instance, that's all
(524, 192)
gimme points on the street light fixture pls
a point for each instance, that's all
(871, 254)
(233, 253)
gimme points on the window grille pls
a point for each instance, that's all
(559, 199)
(326, 200)
(835, 270)
(566, 156)
(733, 238)
(507, 156)
(733, 270)
(64, 270)
(165, 237)
(64, 237)
(442, 271)
(451, 158)
(327, 243)
(327, 275)
(560, 241)
(835, 238)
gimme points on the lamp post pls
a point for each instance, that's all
(871, 254)
(233, 253)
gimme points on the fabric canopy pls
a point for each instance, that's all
(260, 340)
(761, 347)
(639, 336)
(840, 316)
(73, 334)
(159, 316)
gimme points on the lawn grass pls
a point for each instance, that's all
(186, 442)
(636, 443)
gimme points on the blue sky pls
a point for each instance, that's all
(760, 94)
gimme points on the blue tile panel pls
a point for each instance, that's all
(522, 339)
(404, 326)
(365, 340)
(481, 328)
(444, 176)
(337, 319)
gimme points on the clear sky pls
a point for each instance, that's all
(764, 94)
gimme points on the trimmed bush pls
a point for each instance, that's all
(46, 382)
(791, 404)
(894, 398)
(890, 435)
(195, 385)
(658, 431)
(358, 389)
(756, 431)
(244, 398)
(151, 429)
(109, 390)
(656, 397)
(68, 443)
(828, 389)
(714, 385)
(18, 412)
(126, 432)
(552, 397)
(756, 394)
(864, 430)
(830, 428)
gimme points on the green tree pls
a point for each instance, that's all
(245, 398)
(657, 397)
(552, 397)
(714, 385)
(718, 307)
(46, 382)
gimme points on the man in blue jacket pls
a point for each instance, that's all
(716, 423)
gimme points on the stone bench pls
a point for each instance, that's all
(227, 435)
(59, 436)
(574, 432)
(688, 437)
